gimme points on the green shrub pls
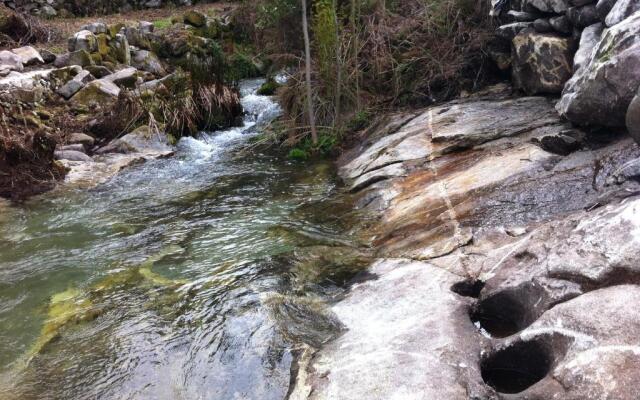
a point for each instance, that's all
(164, 23)
(359, 121)
(298, 154)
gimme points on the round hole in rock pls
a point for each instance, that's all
(468, 288)
(516, 368)
(507, 312)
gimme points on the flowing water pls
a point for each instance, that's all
(194, 277)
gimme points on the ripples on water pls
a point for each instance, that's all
(194, 277)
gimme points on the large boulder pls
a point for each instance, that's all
(542, 62)
(141, 140)
(633, 118)
(601, 91)
(28, 55)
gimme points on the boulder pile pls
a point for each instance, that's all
(587, 51)
(156, 73)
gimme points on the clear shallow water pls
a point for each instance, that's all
(193, 277)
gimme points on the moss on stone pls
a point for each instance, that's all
(115, 29)
(268, 88)
(103, 44)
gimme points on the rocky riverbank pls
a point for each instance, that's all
(121, 93)
(507, 262)
(507, 229)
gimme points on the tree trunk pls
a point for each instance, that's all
(355, 13)
(307, 53)
(338, 105)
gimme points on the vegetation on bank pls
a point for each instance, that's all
(366, 56)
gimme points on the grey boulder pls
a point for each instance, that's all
(601, 91)
(28, 55)
(80, 138)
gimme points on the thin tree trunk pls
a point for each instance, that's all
(307, 53)
(338, 105)
(356, 64)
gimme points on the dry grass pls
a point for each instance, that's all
(19, 30)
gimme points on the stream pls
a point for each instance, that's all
(199, 276)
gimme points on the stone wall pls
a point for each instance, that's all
(51, 8)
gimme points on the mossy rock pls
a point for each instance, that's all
(119, 49)
(241, 67)
(99, 92)
(82, 58)
(195, 18)
(103, 44)
(268, 88)
(115, 29)
(213, 29)
(58, 77)
(96, 58)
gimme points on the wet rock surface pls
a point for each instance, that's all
(504, 271)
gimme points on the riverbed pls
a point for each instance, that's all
(199, 276)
